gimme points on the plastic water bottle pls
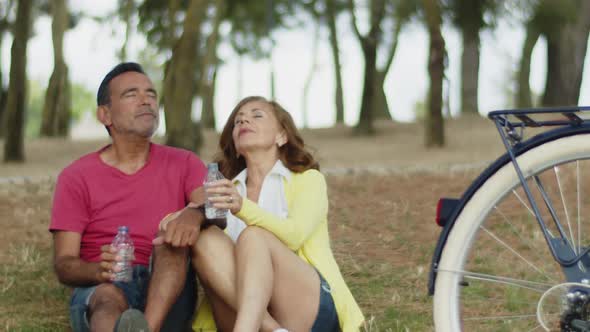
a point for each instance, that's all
(124, 245)
(213, 174)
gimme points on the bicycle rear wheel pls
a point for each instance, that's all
(496, 264)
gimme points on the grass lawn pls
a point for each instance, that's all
(382, 233)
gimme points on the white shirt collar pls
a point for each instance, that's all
(278, 169)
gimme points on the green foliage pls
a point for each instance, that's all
(34, 110)
(473, 14)
(161, 21)
(253, 21)
(550, 15)
(151, 60)
(250, 21)
(406, 10)
(398, 10)
(82, 101)
(420, 109)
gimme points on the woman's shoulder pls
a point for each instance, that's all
(307, 176)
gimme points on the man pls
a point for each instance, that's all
(131, 182)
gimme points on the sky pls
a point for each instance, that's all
(90, 52)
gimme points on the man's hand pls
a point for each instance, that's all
(180, 229)
(108, 264)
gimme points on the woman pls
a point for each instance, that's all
(280, 273)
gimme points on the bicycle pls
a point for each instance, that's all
(513, 254)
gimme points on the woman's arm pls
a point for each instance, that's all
(308, 209)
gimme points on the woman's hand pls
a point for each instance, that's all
(224, 195)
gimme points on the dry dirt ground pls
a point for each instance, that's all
(383, 193)
(470, 140)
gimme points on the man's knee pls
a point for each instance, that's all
(168, 257)
(109, 297)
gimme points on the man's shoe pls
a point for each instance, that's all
(132, 320)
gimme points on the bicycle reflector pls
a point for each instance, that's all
(444, 209)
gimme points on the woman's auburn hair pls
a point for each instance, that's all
(293, 154)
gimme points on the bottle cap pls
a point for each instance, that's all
(212, 167)
(124, 229)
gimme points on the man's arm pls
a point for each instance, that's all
(198, 197)
(181, 228)
(71, 270)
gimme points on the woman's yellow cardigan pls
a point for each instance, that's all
(305, 232)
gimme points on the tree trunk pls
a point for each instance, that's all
(523, 94)
(209, 71)
(273, 93)
(240, 78)
(381, 108)
(17, 88)
(4, 26)
(338, 94)
(128, 9)
(365, 125)
(173, 15)
(434, 120)
(2, 91)
(57, 107)
(312, 70)
(369, 44)
(64, 114)
(470, 70)
(180, 82)
(208, 97)
(566, 51)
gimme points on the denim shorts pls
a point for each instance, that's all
(135, 292)
(327, 318)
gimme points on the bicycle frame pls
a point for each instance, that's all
(511, 124)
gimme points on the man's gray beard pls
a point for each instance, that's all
(154, 129)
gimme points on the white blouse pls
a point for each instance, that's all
(272, 196)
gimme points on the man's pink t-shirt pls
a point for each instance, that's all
(94, 199)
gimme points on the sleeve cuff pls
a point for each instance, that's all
(247, 211)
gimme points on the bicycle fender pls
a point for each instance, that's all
(518, 149)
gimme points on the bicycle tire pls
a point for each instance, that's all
(450, 305)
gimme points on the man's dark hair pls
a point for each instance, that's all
(103, 96)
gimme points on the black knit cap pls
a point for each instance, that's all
(103, 95)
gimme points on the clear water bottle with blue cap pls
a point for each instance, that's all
(125, 249)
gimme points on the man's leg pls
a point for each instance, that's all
(180, 317)
(166, 283)
(99, 307)
(105, 306)
(79, 308)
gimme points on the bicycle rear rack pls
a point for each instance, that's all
(514, 121)
(510, 125)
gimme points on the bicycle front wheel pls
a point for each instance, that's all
(496, 264)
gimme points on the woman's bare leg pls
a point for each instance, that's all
(214, 261)
(272, 276)
(224, 315)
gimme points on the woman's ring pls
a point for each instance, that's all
(230, 199)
